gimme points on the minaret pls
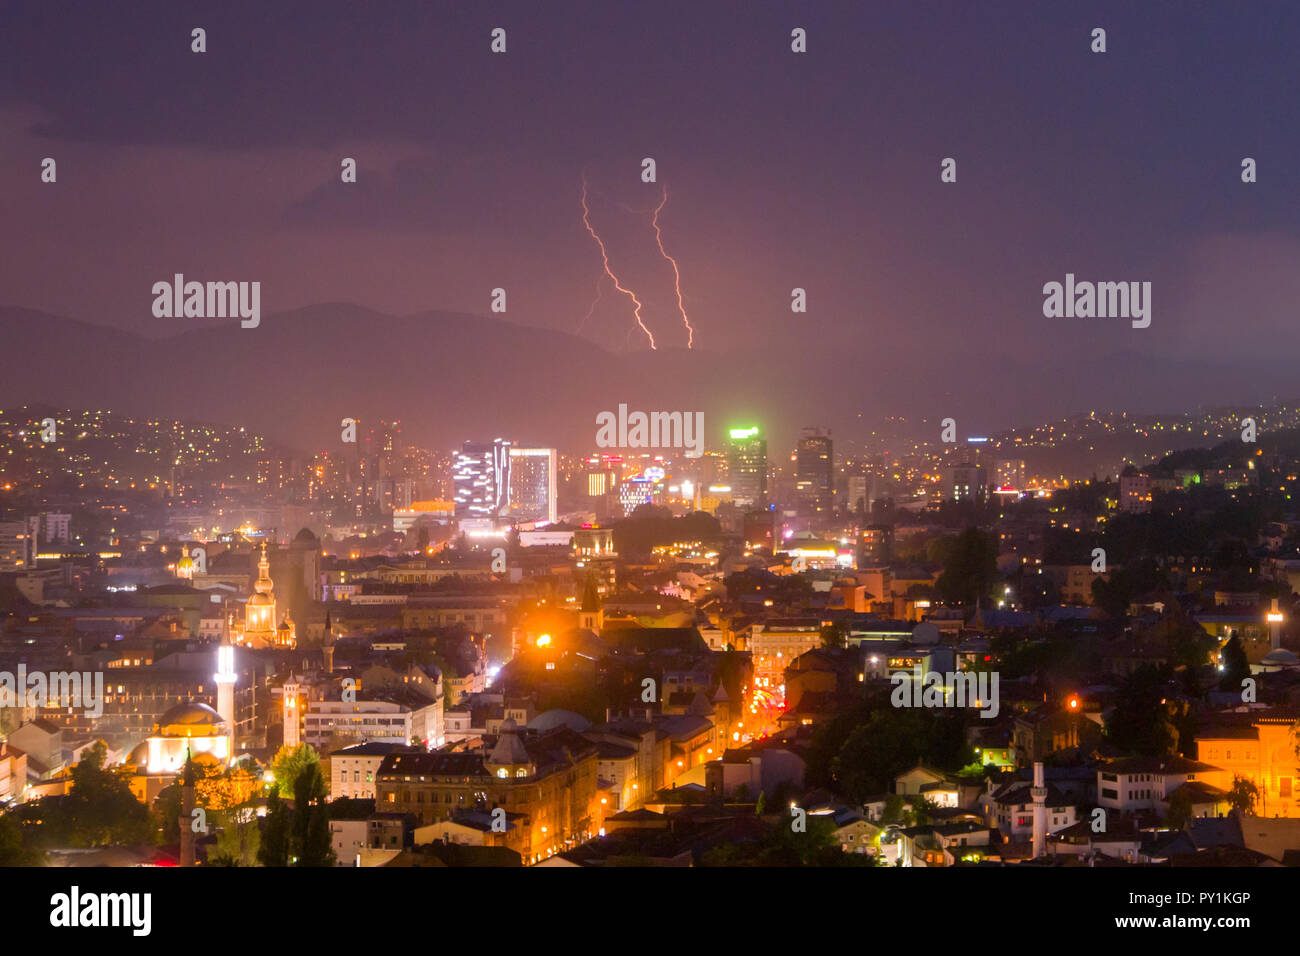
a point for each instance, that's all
(1039, 794)
(327, 646)
(1275, 626)
(225, 678)
(187, 812)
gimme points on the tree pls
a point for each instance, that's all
(892, 740)
(1235, 666)
(311, 844)
(970, 567)
(834, 635)
(289, 764)
(1180, 809)
(239, 840)
(318, 849)
(1118, 589)
(1143, 719)
(100, 805)
(894, 810)
(921, 810)
(14, 850)
(1243, 795)
(780, 845)
(274, 848)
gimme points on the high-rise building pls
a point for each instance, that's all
(748, 468)
(859, 494)
(1134, 492)
(533, 483)
(56, 526)
(13, 545)
(384, 441)
(814, 480)
(481, 474)
(598, 484)
(876, 546)
(637, 491)
(966, 482)
(1010, 473)
(379, 464)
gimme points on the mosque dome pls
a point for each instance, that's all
(190, 728)
(190, 719)
(1280, 657)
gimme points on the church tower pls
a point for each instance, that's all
(292, 712)
(591, 617)
(259, 612)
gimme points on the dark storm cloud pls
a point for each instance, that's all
(818, 171)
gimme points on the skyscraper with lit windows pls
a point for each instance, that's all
(814, 481)
(747, 459)
(532, 483)
(481, 474)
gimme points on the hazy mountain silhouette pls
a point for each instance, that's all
(452, 376)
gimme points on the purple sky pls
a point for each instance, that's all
(818, 170)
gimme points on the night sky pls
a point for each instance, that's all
(818, 170)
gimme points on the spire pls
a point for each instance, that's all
(188, 777)
(264, 584)
(591, 595)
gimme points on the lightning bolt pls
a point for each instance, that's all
(592, 311)
(604, 257)
(677, 275)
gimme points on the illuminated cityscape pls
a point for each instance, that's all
(840, 437)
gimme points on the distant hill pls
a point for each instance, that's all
(451, 376)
